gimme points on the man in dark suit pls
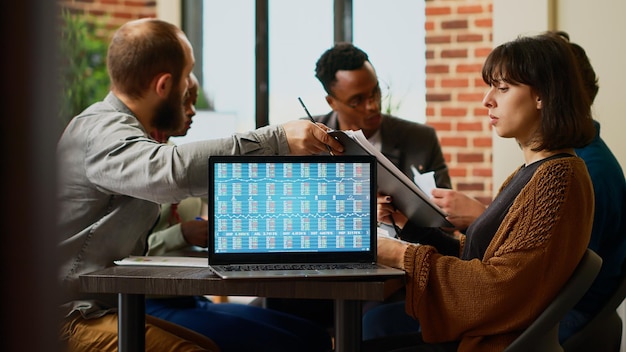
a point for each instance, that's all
(354, 95)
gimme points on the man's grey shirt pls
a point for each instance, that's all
(112, 178)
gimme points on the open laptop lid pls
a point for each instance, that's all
(292, 209)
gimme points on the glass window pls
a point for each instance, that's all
(299, 32)
(228, 70)
(391, 32)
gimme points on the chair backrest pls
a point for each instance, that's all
(604, 331)
(542, 334)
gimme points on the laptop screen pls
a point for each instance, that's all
(303, 208)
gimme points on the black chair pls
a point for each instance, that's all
(604, 331)
(543, 334)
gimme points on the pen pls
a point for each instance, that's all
(395, 227)
(311, 118)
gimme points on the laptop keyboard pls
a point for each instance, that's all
(268, 267)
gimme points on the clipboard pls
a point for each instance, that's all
(407, 196)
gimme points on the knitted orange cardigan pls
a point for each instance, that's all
(485, 304)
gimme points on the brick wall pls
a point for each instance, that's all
(114, 12)
(458, 39)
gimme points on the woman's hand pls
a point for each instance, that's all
(385, 210)
(391, 252)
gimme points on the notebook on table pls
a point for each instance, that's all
(293, 216)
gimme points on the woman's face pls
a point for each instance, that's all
(514, 111)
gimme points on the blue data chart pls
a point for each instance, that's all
(292, 206)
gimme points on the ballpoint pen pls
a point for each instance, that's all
(395, 227)
(312, 120)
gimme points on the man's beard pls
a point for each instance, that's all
(169, 115)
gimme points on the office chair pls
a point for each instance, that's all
(604, 331)
(543, 334)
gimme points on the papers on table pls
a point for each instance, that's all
(164, 261)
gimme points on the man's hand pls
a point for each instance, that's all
(306, 138)
(195, 232)
(462, 210)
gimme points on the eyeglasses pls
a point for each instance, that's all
(360, 102)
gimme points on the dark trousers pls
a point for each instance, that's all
(406, 343)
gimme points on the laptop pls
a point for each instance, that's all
(293, 216)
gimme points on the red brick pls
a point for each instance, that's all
(465, 71)
(471, 68)
(454, 141)
(485, 22)
(437, 97)
(469, 158)
(139, 3)
(437, 68)
(453, 112)
(469, 9)
(456, 24)
(430, 54)
(454, 53)
(482, 141)
(454, 82)
(481, 172)
(481, 112)
(482, 52)
(469, 37)
(438, 39)
(479, 83)
(469, 126)
(464, 187)
(429, 25)
(433, 10)
(471, 97)
(440, 126)
(457, 172)
(125, 15)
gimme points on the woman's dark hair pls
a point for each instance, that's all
(547, 64)
(142, 49)
(342, 56)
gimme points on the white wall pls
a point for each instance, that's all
(510, 19)
(598, 27)
(170, 11)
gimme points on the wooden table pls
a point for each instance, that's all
(132, 283)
